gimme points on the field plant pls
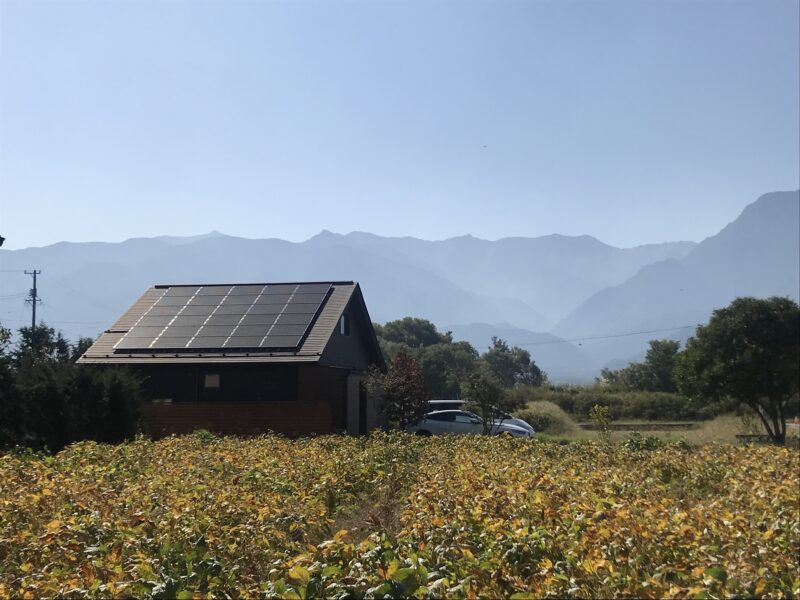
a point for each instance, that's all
(397, 515)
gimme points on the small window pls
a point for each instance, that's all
(344, 324)
(212, 381)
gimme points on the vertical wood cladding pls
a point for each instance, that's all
(254, 399)
(238, 418)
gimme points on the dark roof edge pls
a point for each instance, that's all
(169, 285)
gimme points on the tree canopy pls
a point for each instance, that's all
(512, 365)
(446, 364)
(748, 352)
(655, 374)
(412, 332)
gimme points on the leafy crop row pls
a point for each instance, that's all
(398, 515)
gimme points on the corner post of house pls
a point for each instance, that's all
(354, 380)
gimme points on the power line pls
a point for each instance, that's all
(605, 337)
(34, 298)
(59, 322)
(14, 295)
(81, 296)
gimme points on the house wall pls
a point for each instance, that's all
(252, 399)
(350, 350)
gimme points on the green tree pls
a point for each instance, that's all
(512, 366)
(412, 332)
(9, 406)
(47, 401)
(486, 395)
(401, 390)
(655, 374)
(748, 352)
(445, 366)
(41, 343)
(444, 363)
(82, 345)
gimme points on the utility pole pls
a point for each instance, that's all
(33, 298)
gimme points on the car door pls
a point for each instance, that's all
(466, 423)
(439, 422)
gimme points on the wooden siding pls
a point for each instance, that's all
(319, 407)
(291, 418)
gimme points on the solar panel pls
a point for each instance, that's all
(219, 318)
(182, 290)
(280, 341)
(252, 290)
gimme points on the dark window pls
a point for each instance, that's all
(445, 404)
(344, 324)
(449, 417)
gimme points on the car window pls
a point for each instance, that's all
(445, 405)
(464, 418)
(440, 417)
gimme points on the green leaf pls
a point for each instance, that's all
(717, 573)
(331, 570)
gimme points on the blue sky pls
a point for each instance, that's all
(633, 122)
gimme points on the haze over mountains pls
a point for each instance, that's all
(534, 292)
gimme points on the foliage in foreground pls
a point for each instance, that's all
(449, 516)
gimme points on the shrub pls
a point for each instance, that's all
(651, 406)
(638, 442)
(548, 417)
(57, 403)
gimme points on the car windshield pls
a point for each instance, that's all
(474, 416)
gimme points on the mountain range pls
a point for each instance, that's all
(575, 303)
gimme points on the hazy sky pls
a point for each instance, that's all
(633, 122)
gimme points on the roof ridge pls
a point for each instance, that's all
(331, 282)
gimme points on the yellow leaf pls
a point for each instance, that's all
(25, 567)
(300, 574)
(392, 568)
(768, 534)
(53, 525)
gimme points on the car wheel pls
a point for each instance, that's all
(424, 433)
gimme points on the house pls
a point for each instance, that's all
(248, 358)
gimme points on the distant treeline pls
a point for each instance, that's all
(746, 358)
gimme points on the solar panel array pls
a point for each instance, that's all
(229, 317)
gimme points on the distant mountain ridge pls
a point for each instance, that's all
(537, 291)
(758, 254)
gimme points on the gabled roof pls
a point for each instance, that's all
(243, 323)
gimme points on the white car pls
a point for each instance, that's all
(505, 418)
(460, 421)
